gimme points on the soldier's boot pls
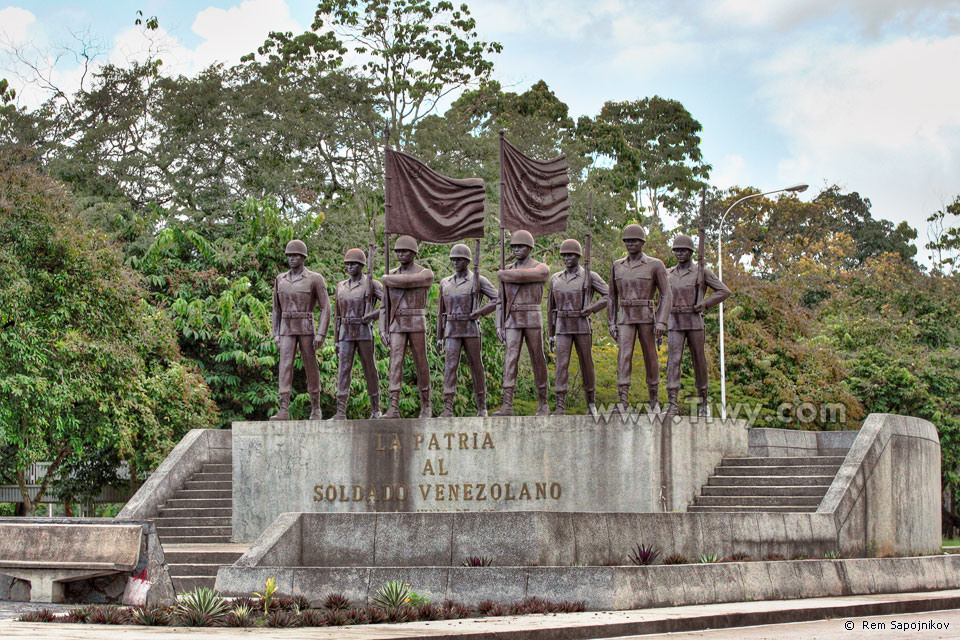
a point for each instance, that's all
(543, 409)
(592, 404)
(426, 411)
(653, 392)
(375, 406)
(448, 405)
(673, 407)
(394, 411)
(623, 393)
(482, 405)
(506, 409)
(703, 411)
(341, 413)
(315, 407)
(283, 411)
(561, 407)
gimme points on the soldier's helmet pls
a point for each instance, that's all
(355, 255)
(296, 247)
(406, 242)
(461, 251)
(634, 232)
(571, 246)
(522, 237)
(683, 241)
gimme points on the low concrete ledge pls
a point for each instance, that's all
(886, 497)
(80, 559)
(794, 442)
(198, 447)
(529, 538)
(616, 588)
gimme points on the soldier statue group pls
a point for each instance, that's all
(644, 301)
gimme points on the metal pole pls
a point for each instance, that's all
(723, 365)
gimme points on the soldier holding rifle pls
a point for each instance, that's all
(457, 327)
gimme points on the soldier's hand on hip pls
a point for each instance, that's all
(475, 314)
(584, 313)
(659, 330)
(614, 332)
(373, 315)
(699, 308)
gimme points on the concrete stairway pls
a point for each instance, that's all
(768, 484)
(194, 527)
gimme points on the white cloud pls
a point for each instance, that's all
(729, 171)
(231, 33)
(16, 24)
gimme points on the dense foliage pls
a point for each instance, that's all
(151, 261)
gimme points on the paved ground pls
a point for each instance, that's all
(732, 617)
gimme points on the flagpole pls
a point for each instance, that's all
(503, 263)
(385, 305)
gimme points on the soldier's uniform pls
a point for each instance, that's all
(565, 303)
(355, 337)
(295, 296)
(460, 334)
(523, 322)
(408, 292)
(633, 283)
(686, 325)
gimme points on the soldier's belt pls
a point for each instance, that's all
(410, 312)
(458, 316)
(682, 310)
(636, 303)
(567, 313)
(525, 307)
(296, 315)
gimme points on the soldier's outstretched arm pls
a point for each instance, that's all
(540, 273)
(490, 292)
(423, 278)
(599, 286)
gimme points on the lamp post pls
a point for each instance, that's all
(797, 188)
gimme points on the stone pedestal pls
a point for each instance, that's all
(632, 463)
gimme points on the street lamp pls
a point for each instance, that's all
(797, 188)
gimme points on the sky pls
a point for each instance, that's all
(860, 93)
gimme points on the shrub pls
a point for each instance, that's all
(676, 559)
(195, 618)
(376, 615)
(42, 615)
(336, 602)
(644, 555)
(285, 604)
(107, 615)
(403, 613)
(358, 616)
(485, 606)
(478, 561)
(281, 619)
(337, 617)
(392, 594)
(241, 616)
(301, 603)
(80, 615)
(149, 616)
(832, 555)
(313, 618)
(708, 558)
(429, 611)
(251, 604)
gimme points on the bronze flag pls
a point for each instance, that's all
(426, 205)
(533, 194)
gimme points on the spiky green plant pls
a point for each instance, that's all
(41, 615)
(202, 600)
(392, 594)
(283, 619)
(195, 618)
(313, 618)
(708, 558)
(644, 554)
(336, 602)
(149, 616)
(241, 616)
(832, 555)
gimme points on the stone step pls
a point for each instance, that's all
(198, 503)
(757, 501)
(195, 494)
(203, 476)
(796, 490)
(165, 532)
(194, 539)
(177, 570)
(221, 485)
(741, 481)
(784, 470)
(782, 461)
(193, 521)
(218, 467)
(183, 584)
(742, 508)
(200, 512)
(194, 556)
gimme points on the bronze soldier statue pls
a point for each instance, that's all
(522, 320)
(356, 297)
(568, 311)
(458, 329)
(631, 313)
(686, 320)
(296, 294)
(407, 286)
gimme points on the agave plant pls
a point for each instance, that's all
(42, 615)
(194, 618)
(301, 603)
(676, 559)
(202, 600)
(336, 602)
(708, 558)
(376, 615)
(313, 618)
(149, 616)
(80, 615)
(403, 613)
(643, 555)
(478, 561)
(392, 594)
(740, 556)
(283, 619)
(107, 615)
(832, 555)
(358, 616)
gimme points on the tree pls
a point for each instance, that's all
(415, 52)
(86, 365)
(655, 149)
(944, 241)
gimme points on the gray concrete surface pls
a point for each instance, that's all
(615, 588)
(571, 463)
(198, 447)
(795, 442)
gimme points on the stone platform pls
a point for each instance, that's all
(629, 463)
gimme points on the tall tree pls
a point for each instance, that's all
(944, 240)
(654, 145)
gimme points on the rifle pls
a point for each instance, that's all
(587, 283)
(371, 292)
(385, 318)
(476, 274)
(701, 241)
